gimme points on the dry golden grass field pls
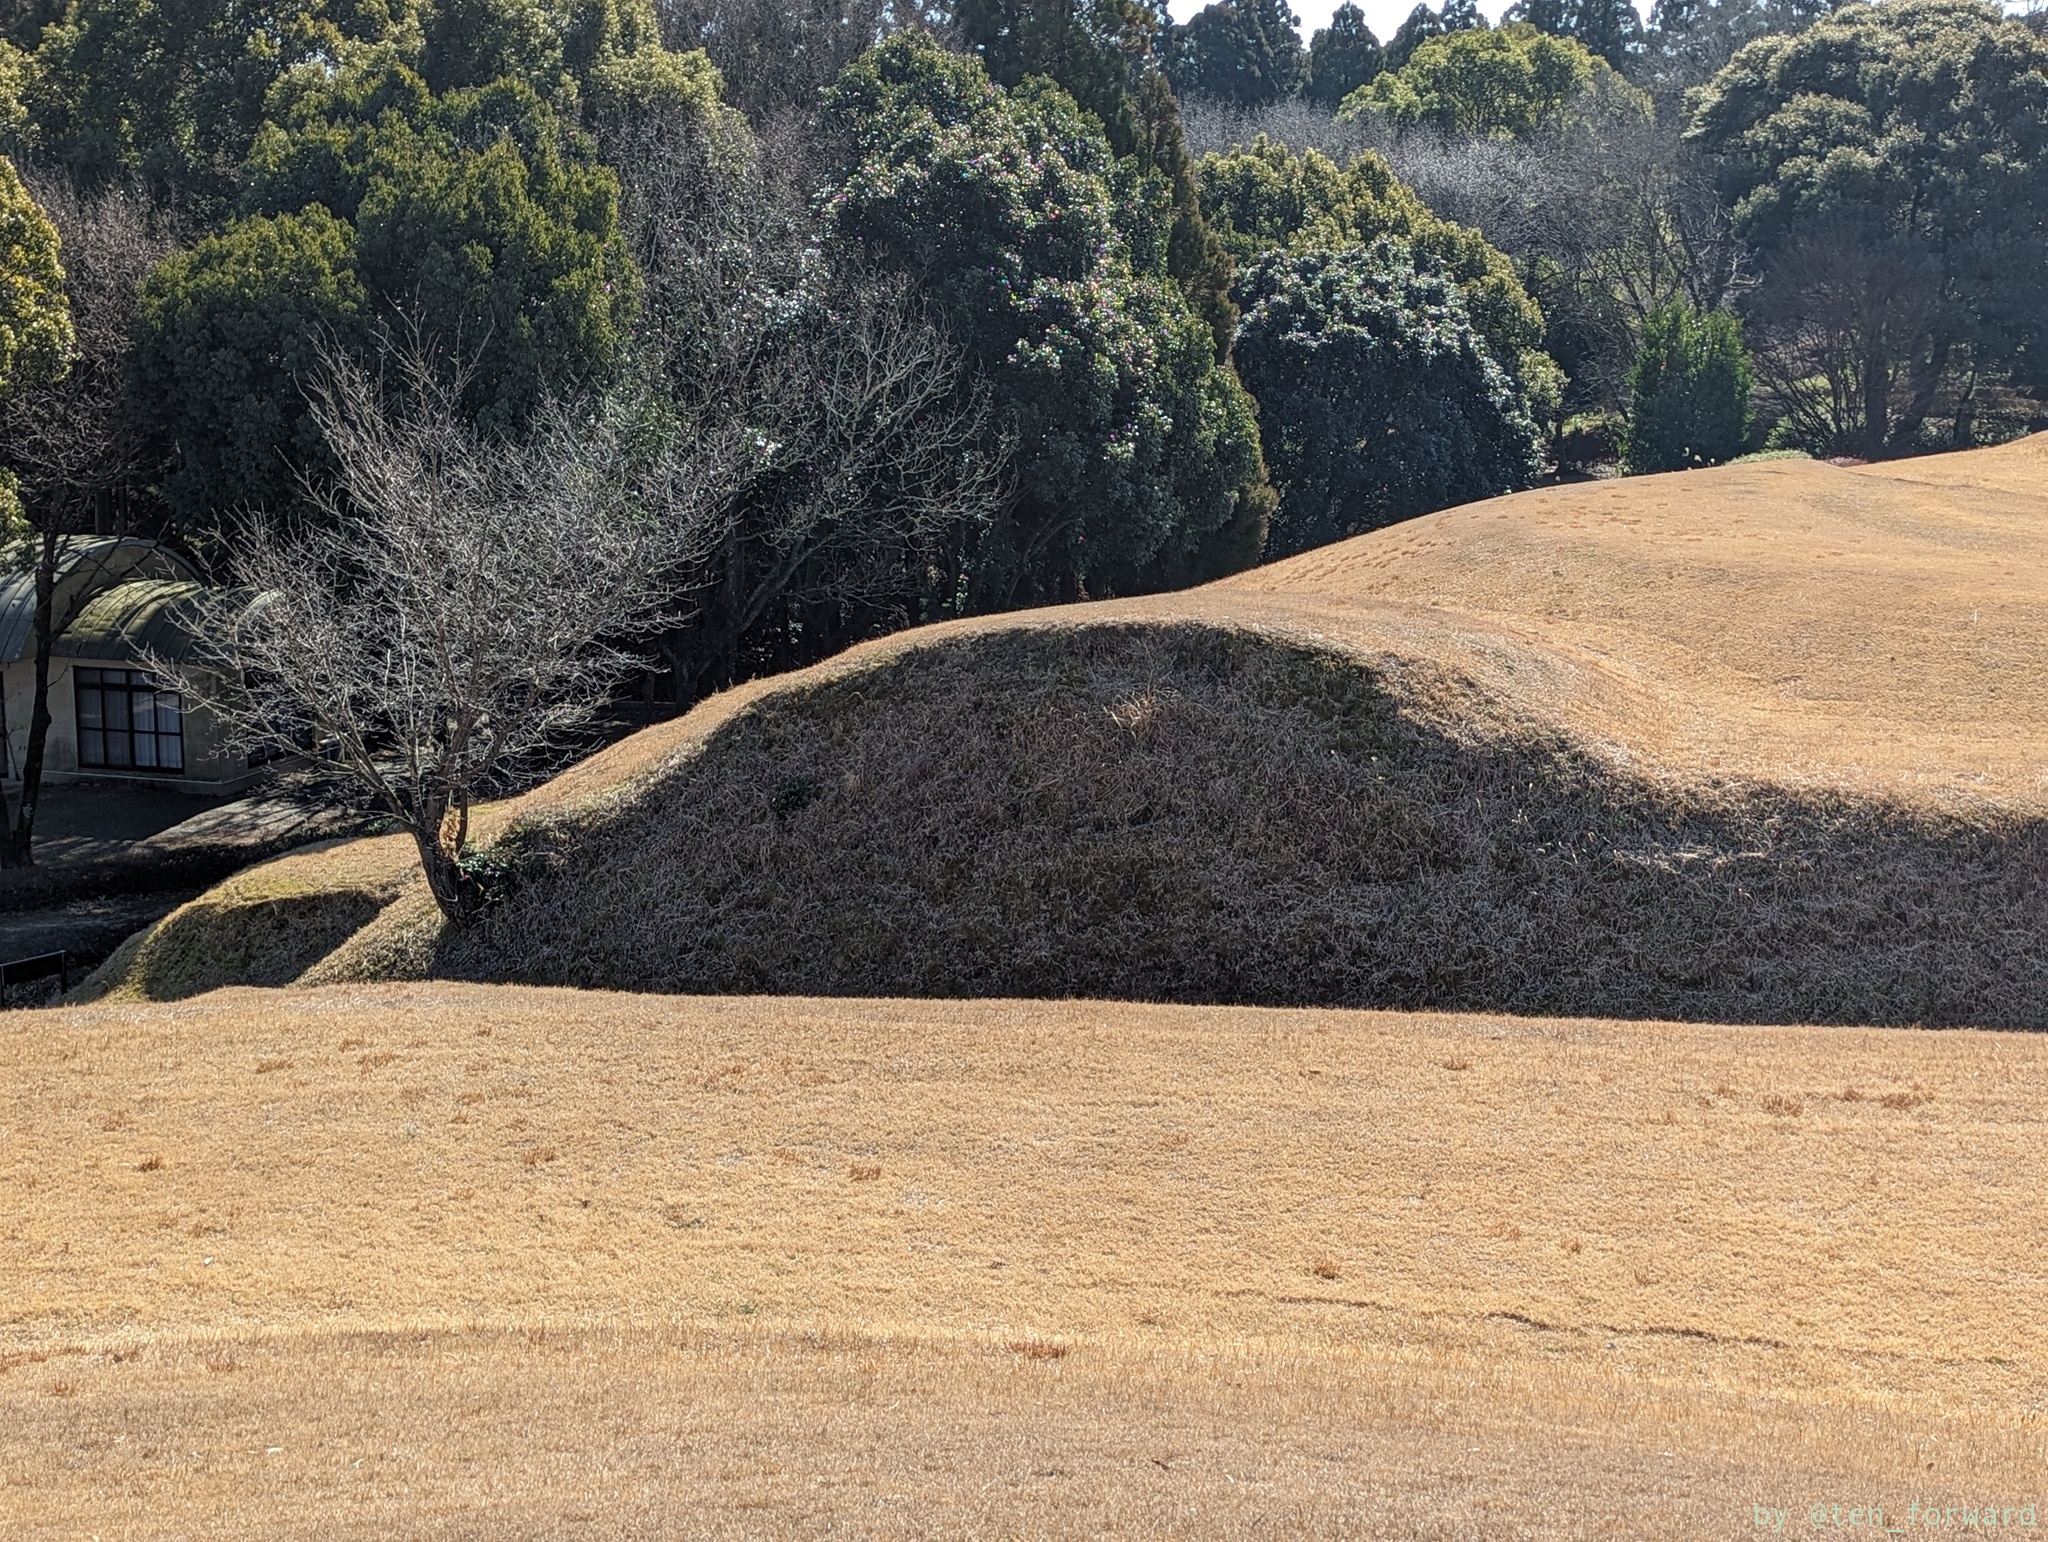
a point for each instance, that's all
(469, 1260)
(316, 1220)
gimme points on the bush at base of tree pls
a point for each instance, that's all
(1377, 398)
(1688, 393)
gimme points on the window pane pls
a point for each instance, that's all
(89, 708)
(145, 750)
(143, 707)
(170, 731)
(92, 747)
(117, 710)
(119, 750)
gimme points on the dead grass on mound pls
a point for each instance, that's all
(1180, 812)
(266, 926)
(479, 1260)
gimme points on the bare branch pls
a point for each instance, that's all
(465, 607)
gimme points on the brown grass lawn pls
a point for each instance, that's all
(466, 1260)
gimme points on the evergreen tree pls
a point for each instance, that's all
(1377, 398)
(476, 216)
(35, 320)
(1552, 16)
(1245, 52)
(1512, 83)
(1609, 28)
(1263, 197)
(1462, 16)
(1422, 25)
(1136, 454)
(1342, 57)
(1889, 171)
(1101, 53)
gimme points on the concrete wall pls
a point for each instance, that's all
(209, 766)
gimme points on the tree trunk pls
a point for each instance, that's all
(453, 889)
(21, 832)
(1877, 402)
(1929, 369)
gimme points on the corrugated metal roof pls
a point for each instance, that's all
(144, 615)
(89, 566)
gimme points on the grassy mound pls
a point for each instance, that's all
(1754, 744)
(1183, 813)
(263, 927)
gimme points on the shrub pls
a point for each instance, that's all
(1590, 439)
(1688, 392)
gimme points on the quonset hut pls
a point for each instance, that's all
(117, 602)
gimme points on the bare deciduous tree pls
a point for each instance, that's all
(464, 609)
(863, 471)
(74, 445)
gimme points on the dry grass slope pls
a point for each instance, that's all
(1764, 743)
(485, 1261)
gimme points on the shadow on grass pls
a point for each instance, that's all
(1191, 814)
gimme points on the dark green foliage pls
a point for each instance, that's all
(1099, 53)
(1245, 52)
(1086, 46)
(173, 90)
(1422, 25)
(1134, 452)
(233, 330)
(22, 21)
(1889, 167)
(1263, 196)
(176, 91)
(474, 42)
(1688, 393)
(1688, 41)
(1462, 16)
(1608, 28)
(1377, 399)
(473, 217)
(1342, 57)
(1552, 16)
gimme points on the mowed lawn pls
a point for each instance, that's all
(464, 1260)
